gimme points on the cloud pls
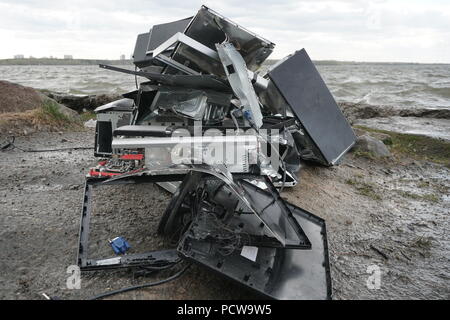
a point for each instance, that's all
(396, 30)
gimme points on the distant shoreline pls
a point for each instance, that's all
(88, 62)
(57, 62)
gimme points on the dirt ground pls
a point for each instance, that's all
(384, 213)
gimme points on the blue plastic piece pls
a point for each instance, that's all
(119, 245)
(248, 115)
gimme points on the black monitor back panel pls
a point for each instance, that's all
(162, 32)
(303, 88)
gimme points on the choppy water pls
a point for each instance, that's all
(404, 85)
(391, 84)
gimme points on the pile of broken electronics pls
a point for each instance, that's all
(223, 133)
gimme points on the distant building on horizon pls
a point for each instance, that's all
(122, 57)
(68, 56)
(19, 56)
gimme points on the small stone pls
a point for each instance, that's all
(385, 138)
(90, 123)
(367, 143)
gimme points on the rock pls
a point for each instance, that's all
(384, 137)
(81, 103)
(74, 102)
(68, 112)
(355, 111)
(366, 143)
(425, 113)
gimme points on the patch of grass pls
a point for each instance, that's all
(388, 141)
(423, 184)
(417, 146)
(364, 154)
(368, 191)
(47, 117)
(422, 242)
(431, 197)
(50, 112)
(88, 115)
(426, 197)
(364, 189)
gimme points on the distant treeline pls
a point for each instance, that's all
(55, 62)
(317, 62)
(337, 62)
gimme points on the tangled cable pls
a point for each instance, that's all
(140, 286)
(228, 240)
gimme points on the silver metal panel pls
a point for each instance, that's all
(209, 28)
(180, 37)
(237, 74)
(149, 142)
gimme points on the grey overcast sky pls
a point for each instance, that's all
(373, 30)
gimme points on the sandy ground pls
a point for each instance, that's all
(384, 213)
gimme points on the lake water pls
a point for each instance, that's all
(403, 85)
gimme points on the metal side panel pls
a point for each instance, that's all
(209, 27)
(180, 37)
(237, 74)
(301, 85)
(278, 273)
